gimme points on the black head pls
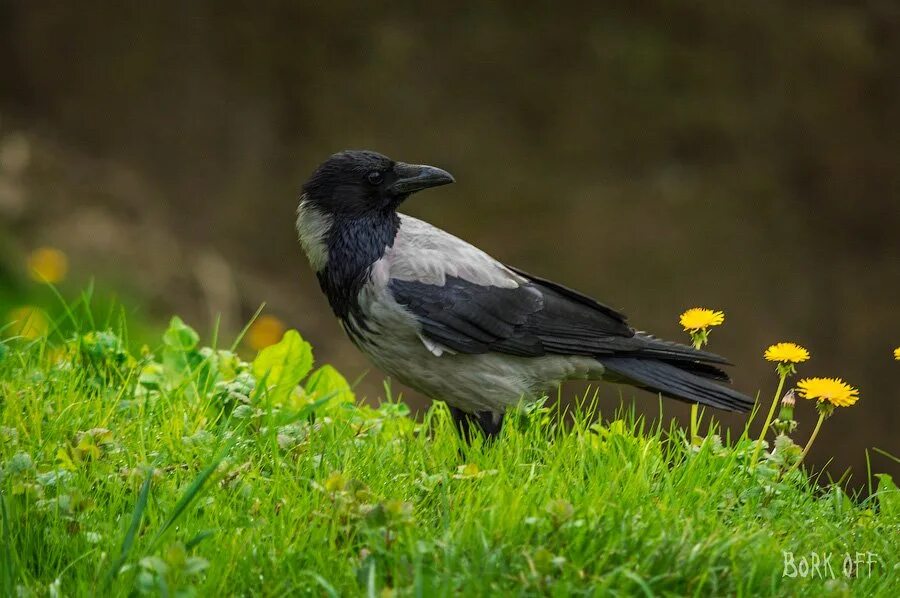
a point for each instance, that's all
(359, 182)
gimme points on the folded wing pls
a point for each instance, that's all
(534, 318)
(467, 302)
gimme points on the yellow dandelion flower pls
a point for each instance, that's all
(831, 390)
(698, 318)
(897, 353)
(265, 332)
(47, 264)
(28, 322)
(786, 353)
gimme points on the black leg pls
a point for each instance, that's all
(490, 423)
(463, 423)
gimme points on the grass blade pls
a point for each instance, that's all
(192, 492)
(128, 541)
(193, 542)
(323, 583)
(7, 562)
(246, 328)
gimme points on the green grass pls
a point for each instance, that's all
(184, 470)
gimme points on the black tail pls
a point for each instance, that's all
(685, 381)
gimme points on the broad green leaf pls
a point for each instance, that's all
(888, 495)
(180, 336)
(176, 555)
(155, 564)
(229, 365)
(283, 365)
(152, 376)
(327, 381)
(180, 352)
(195, 565)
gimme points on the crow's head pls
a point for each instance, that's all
(357, 182)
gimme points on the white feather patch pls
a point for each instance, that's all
(313, 227)
(436, 349)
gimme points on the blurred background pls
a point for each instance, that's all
(744, 157)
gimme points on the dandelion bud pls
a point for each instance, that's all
(788, 400)
(785, 423)
(787, 406)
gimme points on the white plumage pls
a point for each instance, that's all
(313, 227)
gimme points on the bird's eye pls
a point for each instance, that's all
(374, 178)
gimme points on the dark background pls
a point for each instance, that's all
(742, 156)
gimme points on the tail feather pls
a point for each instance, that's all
(673, 381)
(652, 346)
(704, 370)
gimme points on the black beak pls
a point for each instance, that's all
(415, 177)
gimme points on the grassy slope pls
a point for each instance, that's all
(356, 500)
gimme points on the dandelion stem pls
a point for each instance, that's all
(697, 340)
(765, 428)
(811, 439)
(694, 409)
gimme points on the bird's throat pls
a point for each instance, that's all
(354, 244)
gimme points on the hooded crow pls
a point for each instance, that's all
(450, 321)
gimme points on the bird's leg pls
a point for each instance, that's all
(490, 423)
(463, 423)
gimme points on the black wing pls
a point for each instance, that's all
(536, 318)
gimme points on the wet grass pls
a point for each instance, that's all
(184, 470)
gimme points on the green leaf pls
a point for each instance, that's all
(242, 412)
(375, 515)
(152, 376)
(180, 354)
(146, 582)
(195, 565)
(19, 462)
(283, 365)
(327, 381)
(53, 478)
(888, 495)
(155, 564)
(229, 365)
(176, 555)
(180, 336)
